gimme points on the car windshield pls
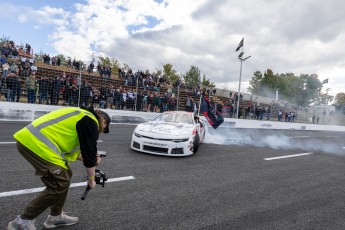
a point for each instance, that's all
(175, 117)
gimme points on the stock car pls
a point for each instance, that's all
(172, 133)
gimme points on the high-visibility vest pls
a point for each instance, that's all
(53, 136)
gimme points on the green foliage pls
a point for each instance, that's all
(301, 90)
(207, 82)
(192, 77)
(340, 100)
(169, 73)
(112, 62)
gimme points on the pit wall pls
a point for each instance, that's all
(10, 111)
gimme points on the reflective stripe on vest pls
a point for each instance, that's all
(36, 131)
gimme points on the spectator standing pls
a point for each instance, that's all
(74, 91)
(188, 104)
(164, 101)
(102, 101)
(5, 69)
(18, 87)
(1, 85)
(156, 101)
(268, 113)
(96, 98)
(117, 99)
(43, 90)
(124, 99)
(293, 116)
(11, 87)
(56, 84)
(84, 94)
(26, 69)
(14, 68)
(150, 103)
(139, 100)
(30, 83)
(280, 115)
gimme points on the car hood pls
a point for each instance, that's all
(169, 128)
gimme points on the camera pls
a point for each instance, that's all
(100, 177)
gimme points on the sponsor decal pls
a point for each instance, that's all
(303, 127)
(155, 144)
(266, 125)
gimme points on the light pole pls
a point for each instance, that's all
(271, 109)
(326, 103)
(239, 83)
(254, 103)
(328, 89)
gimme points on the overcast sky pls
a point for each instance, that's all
(301, 37)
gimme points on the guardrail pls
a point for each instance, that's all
(10, 111)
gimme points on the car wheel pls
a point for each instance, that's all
(196, 143)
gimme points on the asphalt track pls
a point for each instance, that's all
(249, 179)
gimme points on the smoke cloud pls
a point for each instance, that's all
(275, 140)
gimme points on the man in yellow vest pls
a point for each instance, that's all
(49, 144)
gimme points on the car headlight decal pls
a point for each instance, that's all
(137, 135)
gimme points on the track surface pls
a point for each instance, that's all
(237, 185)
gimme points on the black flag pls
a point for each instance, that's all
(325, 81)
(211, 114)
(240, 45)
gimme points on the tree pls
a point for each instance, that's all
(313, 88)
(112, 62)
(207, 82)
(255, 83)
(192, 77)
(339, 102)
(169, 73)
(301, 90)
(63, 59)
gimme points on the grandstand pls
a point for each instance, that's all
(251, 106)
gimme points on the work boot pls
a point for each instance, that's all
(60, 220)
(19, 223)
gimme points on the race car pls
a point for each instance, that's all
(172, 133)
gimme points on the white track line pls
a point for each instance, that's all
(33, 190)
(288, 156)
(343, 147)
(299, 137)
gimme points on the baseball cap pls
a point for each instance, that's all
(108, 120)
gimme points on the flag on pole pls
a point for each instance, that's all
(240, 45)
(325, 81)
(211, 114)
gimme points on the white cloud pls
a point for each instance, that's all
(307, 36)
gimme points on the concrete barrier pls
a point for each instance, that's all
(10, 111)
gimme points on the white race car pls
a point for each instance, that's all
(173, 133)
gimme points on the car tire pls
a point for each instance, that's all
(196, 143)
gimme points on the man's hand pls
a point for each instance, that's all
(91, 182)
(99, 159)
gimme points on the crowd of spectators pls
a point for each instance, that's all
(140, 92)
